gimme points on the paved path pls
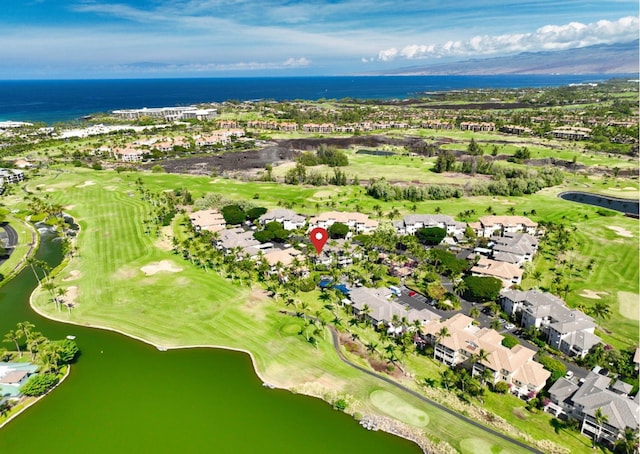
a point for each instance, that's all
(336, 344)
(10, 234)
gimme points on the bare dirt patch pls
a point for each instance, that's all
(163, 265)
(73, 275)
(629, 305)
(71, 296)
(620, 231)
(164, 240)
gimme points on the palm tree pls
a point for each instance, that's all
(444, 332)
(372, 348)
(600, 418)
(537, 276)
(628, 443)
(474, 312)
(601, 310)
(14, 336)
(448, 378)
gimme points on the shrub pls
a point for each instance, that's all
(264, 236)
(557, 368)
(255, 213)
(340, 404)
(501, 387)
(509, 341)
(39, 384)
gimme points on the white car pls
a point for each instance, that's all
(569, 375)
(509, 326)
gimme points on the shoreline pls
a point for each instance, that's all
(37, 399)
(392, 426)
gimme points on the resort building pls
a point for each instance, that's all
(210, 220)
(11, 175)
(491, 225)
(289, 219)
(596, 393)
(568, 330)
(516, 248)
(13, 376)
(239, 240)
(464, 341)
(377, 306)
(412, 223)
(477, 127)
(508, 273)
(283, 257)
(167, 113)
(571, 133)
(357, 222)
(128, 154)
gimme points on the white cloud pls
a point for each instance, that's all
(548, 37)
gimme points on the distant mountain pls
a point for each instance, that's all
(619, 58)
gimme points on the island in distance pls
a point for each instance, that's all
(619, 58)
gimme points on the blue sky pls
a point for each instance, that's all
(200, 38)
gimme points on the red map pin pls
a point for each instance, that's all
(319, 237)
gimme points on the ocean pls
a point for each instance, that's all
(51, 101)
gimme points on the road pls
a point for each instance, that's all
(9, 236)
(336, 344)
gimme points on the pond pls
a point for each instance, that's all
(626, 206)
(126, 396)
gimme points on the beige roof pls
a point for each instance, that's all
(345, 217)
(13, 376)
(210, 220)
(501, 270)
(507, 221)
(532, 373)
(285, 257)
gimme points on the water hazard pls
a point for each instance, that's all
(126, 396)
(627, 206)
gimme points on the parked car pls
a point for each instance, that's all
(569, 375)
(509, 326)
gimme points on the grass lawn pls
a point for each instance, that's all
(183, 305)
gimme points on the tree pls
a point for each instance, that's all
(5, 407)
(444, 332)
(431, 236)
(338, 230)
(14, 336)
(447, 378)
(601, 310)
(628, 443)
(233, 214)
(600, 418)
(474, 312)
(482, 288)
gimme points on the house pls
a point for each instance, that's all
(596, 393)
(210, 220)
(490, 225)
(508, 273)
(284, 257)
(516, 248)
(238, 238)
(357, 222)
(289, 219)
(14, 375)
(568, 330)
(465, 341)
(410, 224)
(378, 307)
(128, 154)
(167, 113)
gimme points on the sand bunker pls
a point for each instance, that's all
(86, 183)
(621, 231)
(629, 305)
(164, 265)
(73, 275)
(586, 293)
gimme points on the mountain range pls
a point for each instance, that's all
(618, 58)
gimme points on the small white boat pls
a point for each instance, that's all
(71, 337)
(161, 348)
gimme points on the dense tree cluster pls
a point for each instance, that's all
(482, 288)
(431, 236)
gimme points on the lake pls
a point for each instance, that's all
(612, 203)
(126, 396)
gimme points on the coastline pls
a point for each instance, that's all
(37, 399)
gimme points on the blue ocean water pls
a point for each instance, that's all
(51, 101)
